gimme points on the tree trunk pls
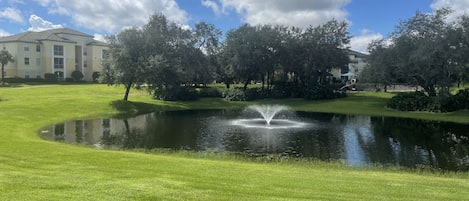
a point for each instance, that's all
(430, 90)
(3, 74)
(127, 91)
(246, 85)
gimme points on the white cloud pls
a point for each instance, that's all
(213, 5)
(460, 7)
(43, 2)
(100, 37)
(114, 15)
(360, 43)
(39, 24)
(301, 13)
(4, 33)
(11, 14)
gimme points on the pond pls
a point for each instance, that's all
(355, 140)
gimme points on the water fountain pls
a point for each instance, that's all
(268, 120)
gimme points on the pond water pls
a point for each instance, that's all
(356, 140)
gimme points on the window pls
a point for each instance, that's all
(38, 48)
(105, 54)
(38, 62)
(58, 50)
(26, 75)
(85, 64)
(26, 47)
(26, 61)
(58, 63)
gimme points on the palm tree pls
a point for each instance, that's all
(5, 57)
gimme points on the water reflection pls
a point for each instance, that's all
(357, 140)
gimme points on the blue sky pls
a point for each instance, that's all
(368, 19)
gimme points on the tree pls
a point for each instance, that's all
(129, 60)
(381, 64)
(325, 47)
(424, 51)
(5, 57)
(207, 42)
(459, 47)
(243, 46)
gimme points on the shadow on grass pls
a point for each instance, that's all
(129, 108)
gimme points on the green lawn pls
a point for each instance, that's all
(34, 169)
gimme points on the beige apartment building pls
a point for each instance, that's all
(358, 61)
(59, 51)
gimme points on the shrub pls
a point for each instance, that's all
(412, 101)
(95, 76)
(256, 93)
(175, 93)
(456, 102)
(238, 94)
(234, 95)
(210, 92)
(50, 77)
(320, 92)
(77, 75)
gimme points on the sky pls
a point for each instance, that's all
(368, 19)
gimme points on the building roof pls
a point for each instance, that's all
(50, 35)
(359, 54)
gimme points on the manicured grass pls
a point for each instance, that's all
(35, 169)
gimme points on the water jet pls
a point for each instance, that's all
(269, 118)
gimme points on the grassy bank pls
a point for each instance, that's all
(34, 169)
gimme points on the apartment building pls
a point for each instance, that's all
(59, 51)
(357, 62)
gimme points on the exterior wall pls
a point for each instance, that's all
(356, 65)
(94, 60)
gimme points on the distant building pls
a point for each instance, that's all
(59, 51)
(357, 63)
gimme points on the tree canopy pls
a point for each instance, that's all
(426, 50)
(5, 58)
(164, 56)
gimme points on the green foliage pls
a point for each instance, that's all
(50, 77)
(175, 93)
(239, 94)
(411, 101)
(69, 79)
(235, 94)
(209, 92)
(77, 75)
(283, 89)
(5, 58)
(455, 102)
(322, 92)
(95, 76)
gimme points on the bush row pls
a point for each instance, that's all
(76, 76)
(316, 92)
(419, 101)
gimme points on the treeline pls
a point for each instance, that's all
(427, 50)
(170, 60)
